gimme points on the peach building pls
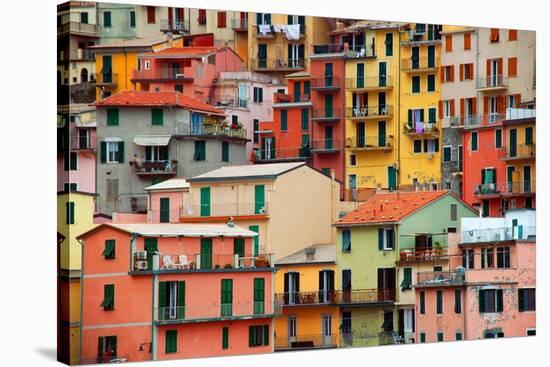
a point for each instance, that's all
(171, 291)
(488, 290)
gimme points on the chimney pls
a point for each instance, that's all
(310, 253)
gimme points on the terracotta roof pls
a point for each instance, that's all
(390, 207)
(136, 42)
(190, 51)
(134, 98)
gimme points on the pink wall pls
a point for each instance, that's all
(84, 175)
(177, 199)
(129, 218)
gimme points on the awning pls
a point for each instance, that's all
(152, 140)
(112, 139)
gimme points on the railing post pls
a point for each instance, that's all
(156, 262)
(197, 261)
(236, 261)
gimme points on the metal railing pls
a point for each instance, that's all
(364, 296)
(265, 155)
(81, 54)
(83, 143)
(515, 187)
(492, 81)
(473, 121)
(499, 234)
(226, 209)
(326, 82)
(418, 128)
(264, 32)
(211, 261)
(369, 82)
(325, 145)
(369, 142)
(138, 204)
(239, 24)
(326, 114)
(369, 111)
(418, 63)
(433, 254)
(305, 341)
(287, 98)
(174, 25)
(165, 167)
(231, 102)
(305, 298)
(278, 63)
(521, 151)
(209, 130)
(106, 78)
(439, 278)
(160, 73)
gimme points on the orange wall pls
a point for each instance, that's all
(128, 340)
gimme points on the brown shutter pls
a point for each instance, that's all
(474, 106)
(471, 66)
(448, 43)
(461, 66)
(499, 63)
(512, 67)
(452, 107)
(442, 74)
(461, 106)
(518, 99)
(512, 35)
(488, 68)
(467, 41)
(440, 109)
(452, 78)
(486, 105)
(170, 17)
(501, 104)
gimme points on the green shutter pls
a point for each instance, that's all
(498, 138)
(225, 151)
(200, 150)
(259, 295)
(256, 229)
(259, 199)
(120, 158)
(474, 141)
(266, 335)
(305, 119)
(69, 212)
(381, 238)
(251, 335)
(407, 278)
(157, 116)
(284, 120)
(112, 117)
(205, 202)
(206, 253)
(151, 248)
(225, 337)
(73, 157)
(171, 342)
(238, 246)
(164, 210)
(103, 152)
(181, 300)
(481, 299)
(528, 136)
(360, 76)
(226, 297)
(162, 299)
(109, 251)
(108, 297)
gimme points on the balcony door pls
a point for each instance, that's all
(107, 70)
(382, 103)
(511, 179)
(328, 105)
(156, 153)
(352, 184)
(328, 138)
(347, 332)
(292, 330)
(493, 77)
(292, 288)
(326, 285)
(262, 55)
(415, 58)
(326, 329)
(346, 285)
(431, 56)
(526, 178)
(382, 74)
(381, 133)
(513, 143)
(83, 138)
(328, 74)
(386, 283)
(360, 134)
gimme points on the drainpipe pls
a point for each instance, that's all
(81, 296)
(398, 114)
(154, 330)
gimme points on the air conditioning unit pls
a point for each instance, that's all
(141, 255)
(141, 265)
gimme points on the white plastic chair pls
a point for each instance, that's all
(167, 262)
(183, 263)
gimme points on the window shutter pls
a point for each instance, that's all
(103, 152)
(481, 301)
(499, 304)
(266, 335)
(162, 294)
(391, 234)
(512, 67)
(181, 300)
(461, 106)
(474, 105)
(255, 94)
(66, 160)
(410, 116)
(380, 238)
(440, 109)
(260, 94)
(321, 282)
(442, 74)
(461, 67)
(521, 300)
(109, 249)
(120, 152)
(452, 102)
(225, 338)
(452, 74)
(251, 335)
(458, 305)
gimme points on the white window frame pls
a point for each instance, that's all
(493, 108)
(511, 101)
(112, 148)
(385, 246)
(292, 326)
(450, 147)
(147, 65)
(501, 139)
(446, 108)
(326, 325)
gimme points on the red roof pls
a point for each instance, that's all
(390, 207)
(134, 98)
(190, 51)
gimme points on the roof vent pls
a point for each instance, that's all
(310, 253)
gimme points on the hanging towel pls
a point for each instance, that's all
(264, 28)
(419, 127)
(277, 28)
(291, 31)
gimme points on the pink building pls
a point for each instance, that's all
(169, 291)
(488, 289)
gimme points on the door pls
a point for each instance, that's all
(346, 328)
(206, 253)
(352, 183)
(291, 330)
(107, 70)
(328, 105)
(382, 74)
(415, 58)
(238, 248)
(513, 142)
(328, 75)
(152, 249)
(259, 199)
(493, 80)
(326, 285)
(262, 55)
(326, 329)
(360, 134)
(510, 170)
(297, 96)
(346, 285)
(196, 124)
(205, 202)
(291, 288)
(382, 103)
(360, 76)
(164, 210)
(381, 133)
(386, 284)
(328, 137)
(526, 178)
(392, 178)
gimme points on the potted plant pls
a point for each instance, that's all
(192, 265)
(228, 266)
(217, 266)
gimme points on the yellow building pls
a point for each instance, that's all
(279, 43)
(304, 285)
(75, 216)
(116, 62)
(419, 125)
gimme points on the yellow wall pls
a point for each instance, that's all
(522, 151)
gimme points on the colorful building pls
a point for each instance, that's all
(304, 285)
(379, 248)
(169, 291)
(267, 199)
(488, 289)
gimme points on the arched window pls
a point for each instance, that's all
(83, 75)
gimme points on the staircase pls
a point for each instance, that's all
(212, 89)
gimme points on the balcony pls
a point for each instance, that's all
(306, 298)
(174, 26)
(426, 255)
(138, 204)
(81, 54)
(283, 155)
(521, 151)
(477, 121)
(363, 296)
(439, 279)
(162, 74)
(324, 146)
(106, 79)
(225, 210)
(499, 234)
(229, 101)
(84, 29)
(215, 312)
(492, 83)
(419, 65)
(488, 190)
(361, 113)
(326, 84)
(425, 129)
(83, 143)
(269, 30)
(155, 168)
(278, 64)
(326, 114)
(370, 143)
(349, 51)
(302, 342)
(187, 130)
(421, 36)
(371, 83)
(239, 25)
(282, 98)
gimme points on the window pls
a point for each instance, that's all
(107, 19)
(387, 325)
(448, 74)
(503, 257)
(171, 342)
(258, 95)
(389, 44)
(258, 335)
(432, 112)
(84, 17)
(512, 35)
(458, 335)
(454, 212)
(458, 301)
(422, 303)
(467, 71)
(259, 296)
(284, 120)
(431, 83)
(467, 41)
(222, 19)
(487, 258)
(494, 36)
(439, 303)
(112, 117)
(305, 119)
(473, 141)
(200, 150)
(447, 154)
(416, 84)
(449, 43)
(147, 64)
(431, 145)
(226, 303)
(512, 67)
(70, 187)
(498, 138)
(346, 240)
(531, 332)
(151, 14)
(447, 109)
(157, 116)
(440, 336)
(386, 239)
(468, 259)
(108, 303)
(72, 163)
(202, 17)
(417, 146)
(132, 19)
(490, 300)
(69, 212)
(407, 279)
(529, 135)
(526, 299)
(225, 337)
(109, 251)
(112, 152)
(352, 160)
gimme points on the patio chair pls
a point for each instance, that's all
(183, 263)
(167, 262)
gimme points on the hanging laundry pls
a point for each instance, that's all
(264, 28)
(277, 28)
(291, 31)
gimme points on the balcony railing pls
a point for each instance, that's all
(360, 296)
(268, 30)
(305, 342)
(174, 25)
(492, 82)
(227, 209)
(420, 128)
(474, 121)
(209, 130)
(208, 312)
(287, 98)
(433, 254)
(239, 24)
(77, 27)
(104, 78)
(440, 278)
(305, 298)
(81, 54)
(278, 64)
(283, 154)
(371, 82)
(147, 168)
(370, 142)
(521, 151)
(418, 64)
(161, 74)
(325, 145)
(499, 234)
(138, 204)
(350, 51)
(503, 188)
(326, 82)
(83, 143)
(366, 112)
(324, 114)
(231, 102)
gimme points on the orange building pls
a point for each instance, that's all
(171, 291)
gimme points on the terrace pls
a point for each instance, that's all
(519, 232)
(419, 65)
(212, 131)
(106, 79)
(326, 84)
(326, 114)
(492, 83)
(278, 64)
(237, 208)
(162, 74)
(79, 28)
(423, 255)
(155, 168)
(518, 224)
(174, 26)
(335, 297)
(486, 190)
(439, 279)
(365, 143)
(301, 342)
(239, 25)
(521, 151)
(360, 113)
(419, 128)
(372, 83)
